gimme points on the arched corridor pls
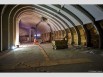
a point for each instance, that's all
(51, 38)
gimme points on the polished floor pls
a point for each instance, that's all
(43, 58)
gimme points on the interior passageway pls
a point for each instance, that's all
(51, 38)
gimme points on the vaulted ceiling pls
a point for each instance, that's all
(59, 17)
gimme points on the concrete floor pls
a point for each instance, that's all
(42, 58)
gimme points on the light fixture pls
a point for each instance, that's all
(62, 6)
(38, 35)
(13, 47)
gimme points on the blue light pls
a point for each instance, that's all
(38, 35)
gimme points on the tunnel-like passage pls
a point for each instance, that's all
(44, 28)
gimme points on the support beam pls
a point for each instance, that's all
(96, 24)
(72, 39)
(6, 29)
(30, 35)
(1, 7)
(69, 12)
(17, 33)
(100, 30)
(50, 32)
(79, 37)
(0, 35)
(66, 37)
(88, 36)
